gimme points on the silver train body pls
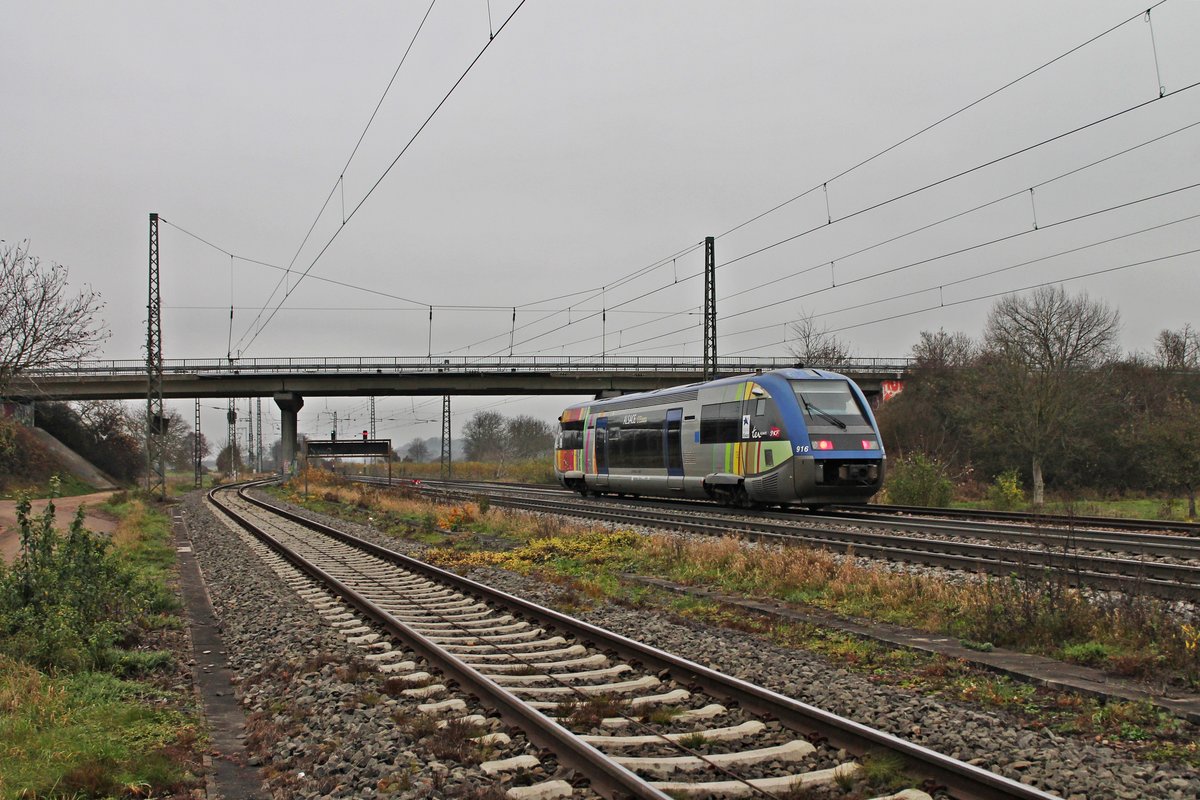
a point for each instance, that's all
(787, 437)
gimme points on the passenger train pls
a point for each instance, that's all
(786, 437)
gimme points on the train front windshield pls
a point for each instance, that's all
(827, 403)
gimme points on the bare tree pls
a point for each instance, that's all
(816, 347)
(41, 323)
(229, 460)
(1174, 438)
(528, 436)
(417, 450)
(179, 440)
(1042, 353)
(484, 437)
(932, 413)
(941, 349)
(1178, 349)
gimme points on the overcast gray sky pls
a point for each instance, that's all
(590, 141)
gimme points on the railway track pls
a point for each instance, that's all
(967, 520)
(1057, 532)
(1165, 566)
(1028, 518)
(633, 720)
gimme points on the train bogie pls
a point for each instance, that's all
(793, 436)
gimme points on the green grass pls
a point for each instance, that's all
(144, 537)
(180, 483)
(84, 727)
(1151, 508)
(68, 486)
(87, 734)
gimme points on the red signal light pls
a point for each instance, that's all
(822, 444)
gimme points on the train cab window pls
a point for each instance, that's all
(829, 402)
(571, 436)
(760, 408)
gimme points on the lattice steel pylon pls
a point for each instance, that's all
(372, 416)
(250, 464)
(231, 437)
(258, 451)
(197, 455)
(447, 462)
(156, 422)
(710, 308)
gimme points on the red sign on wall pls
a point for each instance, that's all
(891, 389)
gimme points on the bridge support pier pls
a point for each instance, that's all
(289, 404)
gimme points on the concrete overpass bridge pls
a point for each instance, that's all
(327, 376)
(289, 380)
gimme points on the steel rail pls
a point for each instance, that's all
(963, 781)
(1061, 535)
(1137, 543)
(1059, 520)
(607, 777)
(1174, 581)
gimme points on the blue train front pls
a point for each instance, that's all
(791, 436)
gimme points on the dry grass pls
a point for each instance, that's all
(23, 688)
(804, 575)
(361, 495)
(128, 533)
(1038, 614)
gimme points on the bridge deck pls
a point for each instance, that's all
(401, 375)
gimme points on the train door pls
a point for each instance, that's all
(673, 448)
(601, 450)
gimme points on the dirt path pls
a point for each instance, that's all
(65, 508)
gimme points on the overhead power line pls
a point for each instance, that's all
(908, 193)
(957, 251)
(825, 183)
(377, 292)
(970, 278)
(960, 214)
(960, 174)
(340, 182)
(918, 229)
(989, 296)
(374, 186)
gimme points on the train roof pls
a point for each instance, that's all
(788, 373)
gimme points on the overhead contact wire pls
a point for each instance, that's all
(931, 259)
(387, 171)
(824, 184)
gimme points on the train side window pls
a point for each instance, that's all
(721, 422)
(760, 408)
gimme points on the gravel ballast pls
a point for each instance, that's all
(345, 747)
(320, 722)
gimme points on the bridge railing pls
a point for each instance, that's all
(425, 364)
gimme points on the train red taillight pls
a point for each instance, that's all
(822, 444)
